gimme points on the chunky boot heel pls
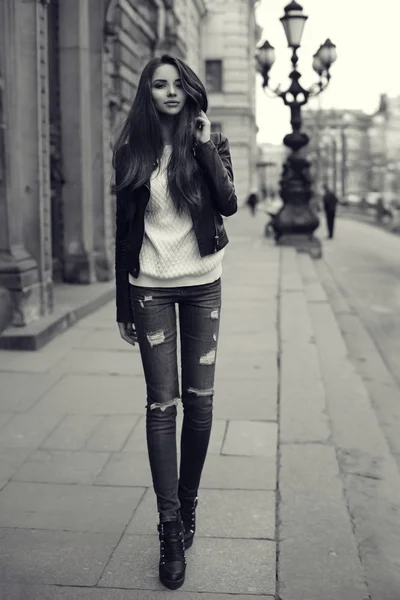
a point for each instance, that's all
(188, 514)
(172, 566)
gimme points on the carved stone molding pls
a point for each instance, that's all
(44, 138)
(172, 42)
(2, 126)
(110, 30)
(201, 7)
(171, 22)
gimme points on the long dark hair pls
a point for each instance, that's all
(142, 141)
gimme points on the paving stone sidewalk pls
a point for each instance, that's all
(77, 510)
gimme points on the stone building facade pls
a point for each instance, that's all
(384, 137)
(229, 39)
(271, 158)
(357, 154)
(339, 150)
(68, 72)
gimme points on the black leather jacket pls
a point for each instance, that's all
(219, 198)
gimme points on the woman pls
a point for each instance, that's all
(173, 181)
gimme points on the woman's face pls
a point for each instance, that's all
(166, 89)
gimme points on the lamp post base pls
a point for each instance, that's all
(295, 224)
(303, 243)
(296, 218)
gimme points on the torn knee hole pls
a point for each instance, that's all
(200, 393)
(156, 338)
(215, 314)
(164, 405)
(208, 358)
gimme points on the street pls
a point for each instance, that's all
(365, 262)
(362, 274)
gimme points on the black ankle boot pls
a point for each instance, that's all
(172, 566)
(188, 514)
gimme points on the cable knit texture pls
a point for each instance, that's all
(170, 255)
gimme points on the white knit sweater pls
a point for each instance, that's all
(170, 255)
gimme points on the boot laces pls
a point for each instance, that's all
(172, 543)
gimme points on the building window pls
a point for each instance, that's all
(216, 127)
(214, 75)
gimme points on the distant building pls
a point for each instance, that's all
(270, 163)
(378, 149)
(339, 151)
(356, 154)
(229, 38)
(385, 149)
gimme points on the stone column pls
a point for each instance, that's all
(76, 119)
(18, 270)
(101, 150)
(35, 151)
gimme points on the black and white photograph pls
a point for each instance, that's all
(199, 300)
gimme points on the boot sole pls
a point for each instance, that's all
(189, 543)
(173, 585)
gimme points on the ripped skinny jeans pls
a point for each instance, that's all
(156, 326)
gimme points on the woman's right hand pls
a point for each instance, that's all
(128, 332)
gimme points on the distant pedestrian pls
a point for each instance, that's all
(252, 202)
(384, 211)
(264, 192)
(330, 202)
(174, 180)
(380, 209)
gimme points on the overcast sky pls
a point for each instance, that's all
(366, 34)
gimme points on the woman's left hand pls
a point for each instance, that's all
(203, 128)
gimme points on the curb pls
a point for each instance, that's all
(37, 334)
(372, 222)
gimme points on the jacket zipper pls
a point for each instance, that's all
(216, 237)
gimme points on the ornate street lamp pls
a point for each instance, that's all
(296, 215)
